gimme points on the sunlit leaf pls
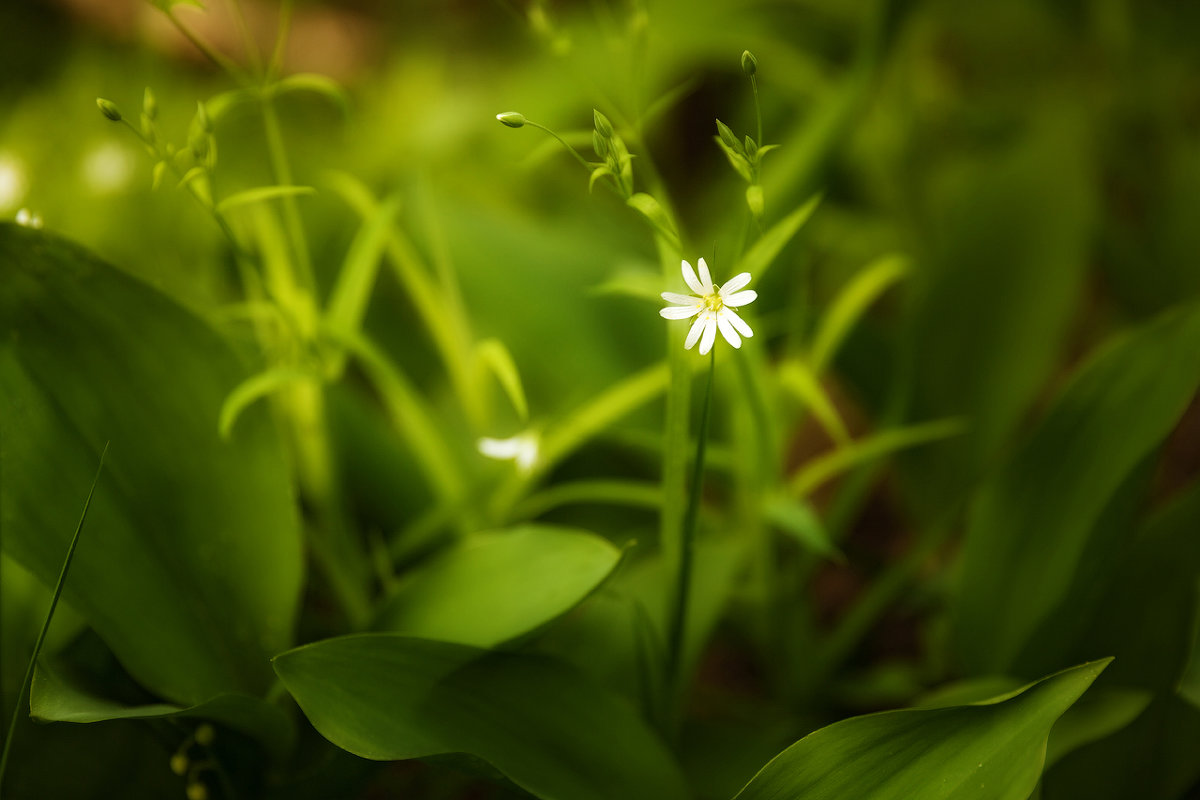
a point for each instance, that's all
(262, 194)
(759, 258)
(490, 588)
(992, 751)
(545, 726)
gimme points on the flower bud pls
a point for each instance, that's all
(512, 119)
(599, 144)
(109, 109)
(749, 63)
(202, 118)
(603, 126)
(197, 791)
(205, 734)
(179, 764)
(149, 104)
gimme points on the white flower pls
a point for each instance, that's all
(522, 448)
(714, 306)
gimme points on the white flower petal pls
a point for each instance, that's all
(727, 329)
(705, 278)
(734, 283)
(679, 312)
(681, 299)
(689, 277)
(710, 334)
(741, 298)
(694, 333)
(737, 322)
(500, 448)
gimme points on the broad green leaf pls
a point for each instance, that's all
(1031, 525)
(58, 696)
(191, 566)
(759, 258)
(990, 751)
(544, 725)
(261, 194)
(849, 305)
(493, 587)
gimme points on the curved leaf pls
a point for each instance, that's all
(991, 751)
(191, 568)
(548, 728)
(493, 587)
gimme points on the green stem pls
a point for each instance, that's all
(58, 588)
(282, 172)
(757, 109)
(239, 21)
(563, 142)
(211, 54)
(677, 621)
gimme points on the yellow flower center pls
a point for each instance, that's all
(713, 301)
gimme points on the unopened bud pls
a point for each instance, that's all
(749, 63)
(205, 734)
(603, 126)
(109, 109)
(197, 791)
(179, 764)
(149, 104)
(599, 144)
(202, 118)
(512, 119)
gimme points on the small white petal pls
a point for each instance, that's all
(710, 335)
(741, 298)
(680, 299)
(689, 277)
(734, 283)
(679, 312)
(705, 278)
(694, 333)
(500, 448)
(727, 329)
(737, 322)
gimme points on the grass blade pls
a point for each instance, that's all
(37, 647)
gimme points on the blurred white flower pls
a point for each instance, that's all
(28, 218)
(108, 168)
(522, 448)
(713, 308)
(12, 181)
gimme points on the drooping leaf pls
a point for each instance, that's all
(544, 725)
(191, 568)
(57, 696)
(991, 751)
(493, 587)
(1031, 525)
(759, 258)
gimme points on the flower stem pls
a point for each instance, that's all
(757, 109)
(677, 621)
(58, 588)
(561, 141)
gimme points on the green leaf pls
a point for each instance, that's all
(492, 355)
(798, 519)
(251, 389)
(759, 258)
(261, 194)
(737, 161)
(192, 565)
(849, 305)
(548, 728)
(825, 467)
(1032, 525)
(649, 208)
(493, 587)
(798, 378)
(991, 751)
(59, 696)
(318, 84)
(356, 280)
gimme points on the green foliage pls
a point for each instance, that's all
(545, 726)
